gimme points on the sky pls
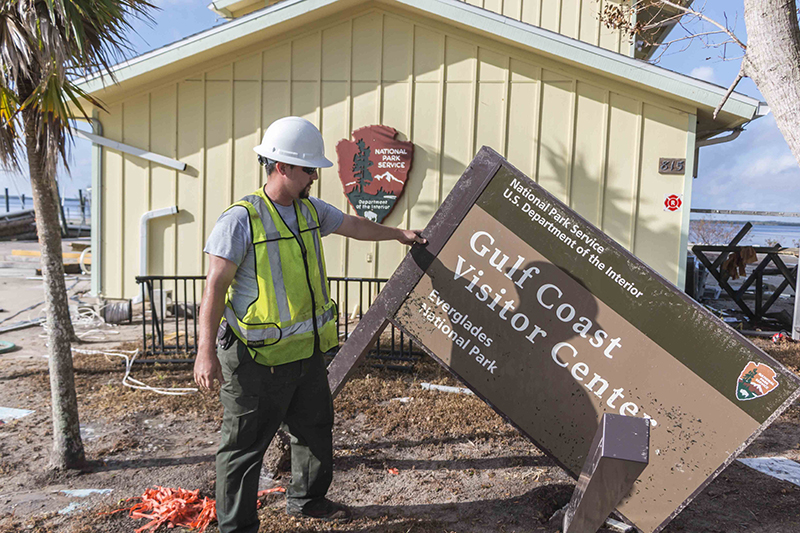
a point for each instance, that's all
(755, 172)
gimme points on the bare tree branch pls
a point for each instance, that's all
(700, 15)
(696, 35)
(730, 91)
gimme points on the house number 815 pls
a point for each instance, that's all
(671, 166)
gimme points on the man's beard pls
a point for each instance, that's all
(306, 192)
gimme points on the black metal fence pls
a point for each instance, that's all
(393, 349)
(168, 300)
(171, 305)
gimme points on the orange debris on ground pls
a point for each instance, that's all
(177, 507)
(263, 493)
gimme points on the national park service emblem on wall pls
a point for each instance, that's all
(755, 381)
(374, 167)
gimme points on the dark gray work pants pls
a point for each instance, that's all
(257, 399)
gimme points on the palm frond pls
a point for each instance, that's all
(10, 135)
(44, 46)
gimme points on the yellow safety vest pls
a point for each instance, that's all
(294, 306)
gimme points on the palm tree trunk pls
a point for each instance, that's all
(67, 446)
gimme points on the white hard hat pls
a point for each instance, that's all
(295, 141)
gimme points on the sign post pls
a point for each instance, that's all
(553, 325)
(619, 454)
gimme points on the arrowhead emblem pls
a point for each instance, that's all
(374, 168)
(755, 381)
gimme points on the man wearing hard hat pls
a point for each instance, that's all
(267, 280)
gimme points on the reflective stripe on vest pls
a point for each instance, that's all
(293, 297)
(270, 335)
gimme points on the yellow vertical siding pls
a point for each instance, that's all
(113, 237)
(557, 112)
(663, 135)
(163, 181)
(191, 184)
(592, 142)
(218, 148)
(246, 124)
(397, 74)
(578, 19)
(365, 104)
(621, 168)
(587, 176)
(523, 122)
(135, 185)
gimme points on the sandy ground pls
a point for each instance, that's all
(459, 466)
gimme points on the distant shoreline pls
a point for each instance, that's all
(743, 222)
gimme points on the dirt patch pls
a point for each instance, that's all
(407, 459)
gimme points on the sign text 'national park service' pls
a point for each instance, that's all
(374, 167)
(554, 324)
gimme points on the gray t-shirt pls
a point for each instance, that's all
(231, 239)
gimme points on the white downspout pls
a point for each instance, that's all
(97, 208)
(143, 240)
(156, 213)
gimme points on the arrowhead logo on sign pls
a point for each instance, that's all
(374, 167)
(755, 381)
(673, 202)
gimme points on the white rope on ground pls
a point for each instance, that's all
(82, 317)
(129, 356)
(86, 317)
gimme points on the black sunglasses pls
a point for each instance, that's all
(266, 162)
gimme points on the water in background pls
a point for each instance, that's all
(72, 207)
(761, 234)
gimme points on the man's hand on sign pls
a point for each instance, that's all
(411, 236)
(365, 230)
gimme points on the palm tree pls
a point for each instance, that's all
(45, 45)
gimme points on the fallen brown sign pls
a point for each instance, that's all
(553, 324)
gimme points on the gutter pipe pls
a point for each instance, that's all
(149, 215)
(97, 207)
(221, 11)
(761, 111)
(143, 240)
(128, 149)
(734, 134)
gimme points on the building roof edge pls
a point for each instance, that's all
(635, 71)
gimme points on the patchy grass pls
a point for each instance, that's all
(787, 352)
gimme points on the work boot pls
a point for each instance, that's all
(321, 509)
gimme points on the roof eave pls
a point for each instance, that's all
(699, 93)
(652, 77)
(247, 27)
